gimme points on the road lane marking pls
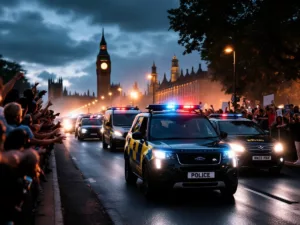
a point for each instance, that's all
(270, 196)
(91, 180)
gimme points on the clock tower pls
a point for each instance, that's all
(103, 69)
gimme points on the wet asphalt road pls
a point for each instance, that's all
(260, 199)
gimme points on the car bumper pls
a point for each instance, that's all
(177, 176)
(247, 161)
(119, 142)
(91, 135)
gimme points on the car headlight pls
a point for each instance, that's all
(237, 147)
(118, 133)
(229, 154)
(101, 130)
(83, 130)
(278, 147)
(159, 154)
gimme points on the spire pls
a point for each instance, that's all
(181, 74)
(193, 72)
(187, 72)
(153, 68)
(103, 42)
(165, 78)
(200, 68)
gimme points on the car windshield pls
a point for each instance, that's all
(87, 122)
(181, 127)
(124, 120)
(240, 128)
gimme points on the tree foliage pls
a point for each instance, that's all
(264, 33)
(8, 70)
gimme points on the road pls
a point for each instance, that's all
(260, 199)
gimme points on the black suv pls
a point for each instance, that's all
(174, 146)
(254, 147)
(89, 128)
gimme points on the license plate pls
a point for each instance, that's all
(201, 175)
(94, 134)
(261, 158)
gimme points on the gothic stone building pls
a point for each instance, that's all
(189, 88)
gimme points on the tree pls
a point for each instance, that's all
(264, 33)
(8, 70)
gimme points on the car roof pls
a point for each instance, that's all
(229, 119)
(159, 113)
(123, 111)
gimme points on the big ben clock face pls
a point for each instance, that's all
(104, 65)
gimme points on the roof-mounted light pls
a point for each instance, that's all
(173, 107)
(226, 115)
(124, 108)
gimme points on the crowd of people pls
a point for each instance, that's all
(283, 123)
(27, 136)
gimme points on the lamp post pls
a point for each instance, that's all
(150, 77)
(120, 90)
(110, 94)
(229, 50)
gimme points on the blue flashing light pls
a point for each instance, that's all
(226, 115)
(173, 107)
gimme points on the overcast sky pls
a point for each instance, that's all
(60, 38)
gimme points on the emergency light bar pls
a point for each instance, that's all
(123, 108)
(226, 115)
(172, 107)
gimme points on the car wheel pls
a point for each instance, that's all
(228, 191)
(104, 144)
(149, 189)
(112, 145)
(275, 171)
(79, 138)
(130, 177)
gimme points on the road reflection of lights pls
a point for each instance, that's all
(161, 219)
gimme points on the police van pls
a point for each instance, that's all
(116, 122)
(174, 146)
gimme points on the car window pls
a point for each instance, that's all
(125, 119)
(87, 122)
(181, 127)
(240, 128)
(137, 125)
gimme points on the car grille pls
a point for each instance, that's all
(199, 158)
(93, 130)
(259, 147)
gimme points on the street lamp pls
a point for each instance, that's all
(150, 77)
(229, 50)
(134, 95)
(120, 90)
(102, 97)
(110, 94)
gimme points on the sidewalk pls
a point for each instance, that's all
(49, 211)
(67, 199)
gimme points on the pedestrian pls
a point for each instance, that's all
(295, 132)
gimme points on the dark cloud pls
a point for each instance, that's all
(46, 75)
(30, 39)
(130, 15)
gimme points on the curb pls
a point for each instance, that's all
(58, 218)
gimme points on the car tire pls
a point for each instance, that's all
(149, 188)
(228, 191)
(130, 177)
(79, 138)
(104, 144)
(275, 171)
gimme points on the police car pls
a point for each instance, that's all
(116, 122)
(174, 146)
(253, 146)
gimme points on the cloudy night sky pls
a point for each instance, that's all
(60, 38)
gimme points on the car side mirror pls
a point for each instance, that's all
(137, 135)
(125, 134)
(108, 124)
(223, 135)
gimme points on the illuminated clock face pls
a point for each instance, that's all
(104, 65)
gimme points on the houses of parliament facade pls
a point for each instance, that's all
(191, 87)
